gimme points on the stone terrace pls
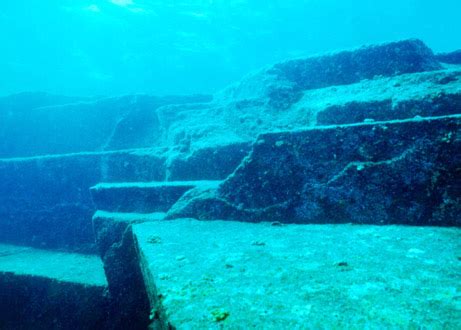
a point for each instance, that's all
(319, 192)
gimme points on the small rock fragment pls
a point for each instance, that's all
(220, 315)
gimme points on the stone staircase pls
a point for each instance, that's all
(224, 274)
(142, 197)
(154, 260)
(57, 225)
(97, 240)
(120, 205)
(94, 291)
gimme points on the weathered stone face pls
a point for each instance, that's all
(286, 79)
(45, 203)
(349, 67)
(387, 109)
(261, 150)
(397, 172)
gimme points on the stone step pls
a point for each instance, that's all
(236, 275)
(114, 240)
(109, 227)
(122, 205)
(389, 172)
(42, 289)
(141, 197)
(45, 201)
(120, 217)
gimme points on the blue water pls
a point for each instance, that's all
(111, 47)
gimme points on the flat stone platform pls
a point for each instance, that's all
(42, 289)
(235, 275)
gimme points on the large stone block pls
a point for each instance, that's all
(283, 82)
(347, 67)
(404, 172)
(236, 275)
(51, 290)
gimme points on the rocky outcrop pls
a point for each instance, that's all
(283, 83)
(395, 172)
(384, 82)
(45, 200)
(367, 136)
(450, 58)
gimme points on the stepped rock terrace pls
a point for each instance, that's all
(319, 192)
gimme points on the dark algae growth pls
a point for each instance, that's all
(319, 192)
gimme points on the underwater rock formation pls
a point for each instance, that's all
(366, 136)
(450, 58)
(69, 125)
(283, 82)
(45, 201)
(350, 89)
(42, 289)
(394, 172)
(238, 275)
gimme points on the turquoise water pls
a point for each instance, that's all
(112, 47)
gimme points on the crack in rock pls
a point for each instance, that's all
(361, 165)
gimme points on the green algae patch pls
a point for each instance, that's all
(219, 315)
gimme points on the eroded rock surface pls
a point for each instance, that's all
(368, 136)
(236, 275)
(404, 172)
(391, 81)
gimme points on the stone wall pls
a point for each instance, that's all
(395, 172)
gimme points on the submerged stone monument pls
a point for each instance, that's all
(197, 205)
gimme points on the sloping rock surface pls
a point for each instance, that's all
(384, 82)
